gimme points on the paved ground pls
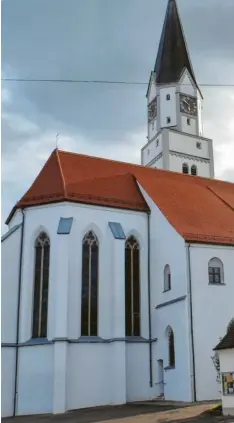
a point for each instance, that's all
(147, 412)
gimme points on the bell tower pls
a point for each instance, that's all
(174, 107)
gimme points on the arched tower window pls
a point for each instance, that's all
(89, 304)
(171, 347)
(41, 286)
(185, 168)
(132, 287)
(167, 278)
(216, 271)
(194, 170)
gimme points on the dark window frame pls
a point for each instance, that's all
(132, 288)
(194, 170)
(41, 286)
(167, 278)
(215, 276)
(185, 169)
(89, 289)
(168, 119)
(168, 97)
(171, 348)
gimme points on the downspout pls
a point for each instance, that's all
(18, 314)
(149, 304)
(191, 323)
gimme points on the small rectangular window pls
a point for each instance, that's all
(168, 119)
(199, 145)
(188, 121)
(168, 97)
(117, 230)
(214, 275)
(65, 224)
(157, 143)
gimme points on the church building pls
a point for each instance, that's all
(117, 278)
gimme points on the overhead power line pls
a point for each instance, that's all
(83, 81)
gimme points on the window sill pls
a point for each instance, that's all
(166, 290)
(217, 284)
(36, 341)
(89, 338)
(169, 368)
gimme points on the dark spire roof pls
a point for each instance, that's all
(173, 55)
(227, 341)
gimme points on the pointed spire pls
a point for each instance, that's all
(173, 55)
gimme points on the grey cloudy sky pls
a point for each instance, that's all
(102, 39)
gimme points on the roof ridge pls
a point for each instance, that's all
(153, 169)
(220, 198)
(61, 172)
(114, 175)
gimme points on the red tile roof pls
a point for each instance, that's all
(200, 209)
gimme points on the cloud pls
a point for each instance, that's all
(102, 39)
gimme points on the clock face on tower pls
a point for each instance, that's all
(152, 110)
(188, 105)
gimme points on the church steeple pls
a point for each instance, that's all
(175, 132)
(173, 56)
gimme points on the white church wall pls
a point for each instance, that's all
(168, 247)
(97, 218)
(186, 144)
(9, 286)
(7, 380)
(212, 311)
(199, 114)
(188, 125)
(158, 164)
(174, 315)
(89, 381)
(176, 164)
(35, 380)
(39, 219)
(64, 306)
(152, 150)
(16, 219)
(167, 107)
(137, 373)
(186, 85)
(152, 129)
(152, 90)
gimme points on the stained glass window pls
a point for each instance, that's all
(41, 286)
(89, 305)
(171, 346)
(132, 287)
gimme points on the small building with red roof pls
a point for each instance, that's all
(225, 350)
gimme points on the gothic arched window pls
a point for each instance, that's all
(41, 286)
(185, 168)
(216, 271)
(132, 287)
(167, 278)
(193, 170)
(171, 347)
(89, 302)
